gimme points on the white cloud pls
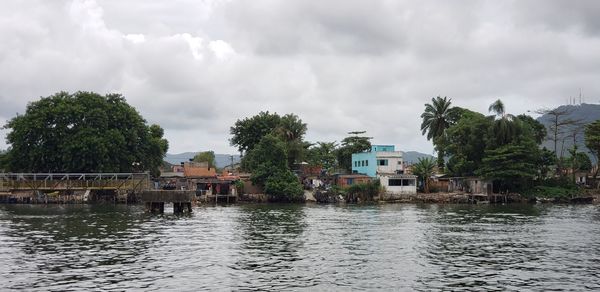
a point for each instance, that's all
(194, 67)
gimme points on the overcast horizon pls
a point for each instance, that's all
(195, 67)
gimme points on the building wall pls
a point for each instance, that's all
(364, 163)
(385, 148)
(392, 162)
(399, 190)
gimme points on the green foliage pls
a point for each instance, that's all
(437, 118)
(350, 145)
(248, 132)
(466, 143)
(267, 158)
(545, 161)
(363, 191)
(552, 192)
(592, 140)
(513, 166)
(424, 169)
(83, 132)
(538, 129)
(206, 156)
(284, 186)
(3, 158)
(323, 154)
(290, 129)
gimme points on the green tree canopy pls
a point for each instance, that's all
(83, 132)
(206, 156)
(352, 144)
(437, 117)
(466, 143)
(323, 154)
(592, 140)
(424, 169)
(512, 165)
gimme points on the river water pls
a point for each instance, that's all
(394, 247)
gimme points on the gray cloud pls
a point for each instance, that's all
(195, 67)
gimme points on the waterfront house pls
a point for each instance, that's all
(344, 180)
(386, 164)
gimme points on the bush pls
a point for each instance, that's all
(552, 192)
(283, 186)
(363, 192)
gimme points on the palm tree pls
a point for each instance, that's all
(424, 169)
(504, 125)
(436, 119)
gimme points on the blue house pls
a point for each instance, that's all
(379, 160)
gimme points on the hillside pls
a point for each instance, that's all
(412, 157)
(221, 160)
(586, 113)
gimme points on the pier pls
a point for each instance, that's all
(154, 200)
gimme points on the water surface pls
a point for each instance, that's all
(301, 247)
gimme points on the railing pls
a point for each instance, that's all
(74, 181)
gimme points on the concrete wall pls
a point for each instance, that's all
(364, 163)
(393, 162)
(405, 190)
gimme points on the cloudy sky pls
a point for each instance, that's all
(195, 67)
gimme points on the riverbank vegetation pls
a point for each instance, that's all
(83, 132)
(503, 148)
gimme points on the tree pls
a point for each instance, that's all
(437, 118)
(288, 128)
(352, 144)
(558, 123)
(504, 128)
(268, 164)
(248, 132)
(592, 141)
(424, 169)
(206, 156)
(538, 129)
(323, 154)
(513, 166)
(466, 143)
(3, 158)
(83, 132)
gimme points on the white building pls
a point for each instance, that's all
(383, 162)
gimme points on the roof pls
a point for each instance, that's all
(171, 174)
(192, 171)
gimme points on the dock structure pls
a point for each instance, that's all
(73, 181)
(154, 200)
(70, 187)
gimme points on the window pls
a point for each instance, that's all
(382, 162)
(366, 163)
(394, 182)
(397, 182)
(363, 163)
(349, 181)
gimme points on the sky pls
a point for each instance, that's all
(195, 67)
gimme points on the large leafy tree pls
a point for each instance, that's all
(323, 154)
(352, 144)
(290, 129)
(424, 169)
(248, 132)
(592, 141)
(437, 117)
(206, 156)
(504, 128)
(83, 132)
(268, 164)
(513, 165)
(466, 143)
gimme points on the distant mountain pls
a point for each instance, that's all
(221, 160)
(586, 113)
(412, 157)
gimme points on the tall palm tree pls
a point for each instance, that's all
(504, 124)
(436, 119)
(424, 169)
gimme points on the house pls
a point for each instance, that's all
(386, 164)
(344, 180)
(473, 185)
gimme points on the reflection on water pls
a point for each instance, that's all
(295, 247)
